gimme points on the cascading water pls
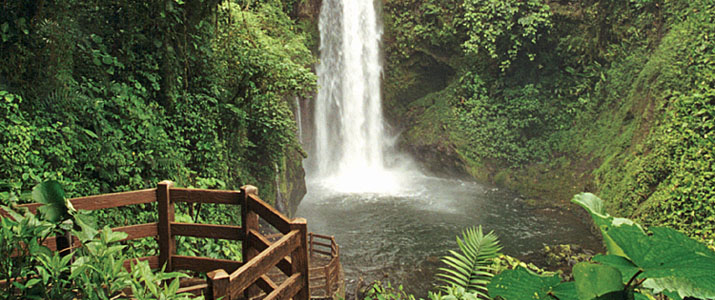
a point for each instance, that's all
(350, 137)
(298, 119)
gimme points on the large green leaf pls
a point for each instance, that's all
(86, 225)
(603, 220)
(56, 207)
(594, 280)
(625, 266)
(671, 260)
(521, 284)
(566, 291)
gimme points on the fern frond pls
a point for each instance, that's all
(469, 268)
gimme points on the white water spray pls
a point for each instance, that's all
(349, 127)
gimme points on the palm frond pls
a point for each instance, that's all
(470, 267)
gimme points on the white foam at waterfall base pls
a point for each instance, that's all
(365, 180)
(372, 181)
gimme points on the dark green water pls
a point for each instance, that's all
(401, 234)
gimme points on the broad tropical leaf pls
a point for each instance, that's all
(520, 284)
(625, 266)
(470, 267)
(56, 207)
(671, 260)
(594, 281)
(603, 220)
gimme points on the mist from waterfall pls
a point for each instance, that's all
(350, 140)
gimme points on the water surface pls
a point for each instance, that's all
(402, 234)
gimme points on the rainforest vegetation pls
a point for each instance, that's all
(107, 96)
(557, 97)
(549, 98)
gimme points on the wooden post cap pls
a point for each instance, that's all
(219, 285)
(167, 182)
(217, 274)
(251, 190)
(299, 221)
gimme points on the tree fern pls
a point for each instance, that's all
(470, 267)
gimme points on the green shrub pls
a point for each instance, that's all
(470, 269)
(93, 271)
(502, 30)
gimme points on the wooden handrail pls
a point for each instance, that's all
(322, 236)
(247, 274)
(139, 231)
(288, 289)
(226, 232)
(268, 213)
(101, 201)
(153, 261)
(206, 196)
(203, 264)
(226, 279)
(260, 243)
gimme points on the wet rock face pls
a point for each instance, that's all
(409, 82)
(290, 183)
(308, 10)
(411, 110)
(438, 160)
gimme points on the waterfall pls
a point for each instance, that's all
(349, 126)
(298, 119)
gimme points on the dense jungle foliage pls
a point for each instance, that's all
(107, 96)
(556, 97)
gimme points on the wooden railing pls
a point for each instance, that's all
(226, 279)
(324, 248)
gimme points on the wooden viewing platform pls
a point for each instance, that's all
(289, 256)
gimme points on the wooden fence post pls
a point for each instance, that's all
(167, 243)
(299, 258)
(249, 221)
(328, 281)
(219, 281)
